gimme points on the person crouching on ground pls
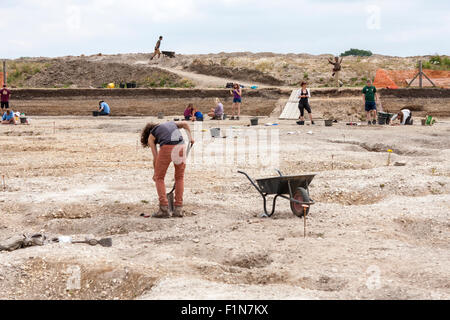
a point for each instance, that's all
(370, 100)
(198, 115)
(216, 113)
(8, 117)
(303, 104)
(189, 112)
(404, 117)
(103, 108)
(171, 149)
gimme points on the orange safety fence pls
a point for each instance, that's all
(393, 79)
(1, 78)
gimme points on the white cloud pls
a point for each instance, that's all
(60, 27)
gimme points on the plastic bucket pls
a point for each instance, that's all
(215, 132)
(23, 120)
(383, 118)
(328, 123)
(254, 121)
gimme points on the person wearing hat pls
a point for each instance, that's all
(5, 95)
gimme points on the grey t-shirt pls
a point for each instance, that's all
(167, 133)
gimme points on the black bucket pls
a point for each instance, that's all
(328, 123)
(383, 118)
(254, 121)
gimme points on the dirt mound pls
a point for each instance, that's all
(84, 74)
(217, 70)
(400, 78)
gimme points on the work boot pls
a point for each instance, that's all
(232, 118)
(178, 212)
(163, 212)
(369, 123)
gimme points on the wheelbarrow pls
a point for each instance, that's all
(292, 188)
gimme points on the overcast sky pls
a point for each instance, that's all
(72, 27)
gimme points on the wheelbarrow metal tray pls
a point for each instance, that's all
(280, 185)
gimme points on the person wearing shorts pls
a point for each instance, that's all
(303, 104)
(237, 100)
(370, 96)
(5, 95)
(157, 52)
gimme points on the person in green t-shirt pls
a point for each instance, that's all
(370, 100)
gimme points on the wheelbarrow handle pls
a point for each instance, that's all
(252, 182)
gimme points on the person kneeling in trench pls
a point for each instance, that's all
(404, 117)
(8, 117)
(171, 149)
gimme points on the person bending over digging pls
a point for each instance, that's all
(303, 104)
(371, 98)
(8, 117)
(171, 149)
(404, 117)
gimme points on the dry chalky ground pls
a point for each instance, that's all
(376, 231)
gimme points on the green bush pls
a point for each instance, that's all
(357, 52)
(437, 62)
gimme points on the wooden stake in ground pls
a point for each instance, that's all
(3, 183)
(389, 157)
(332, 162)
(305, 207)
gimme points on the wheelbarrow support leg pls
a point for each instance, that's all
(273, 206)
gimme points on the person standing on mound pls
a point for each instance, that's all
(171, 149)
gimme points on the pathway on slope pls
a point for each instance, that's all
(203, 80)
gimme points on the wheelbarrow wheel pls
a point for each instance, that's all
(300, 195)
